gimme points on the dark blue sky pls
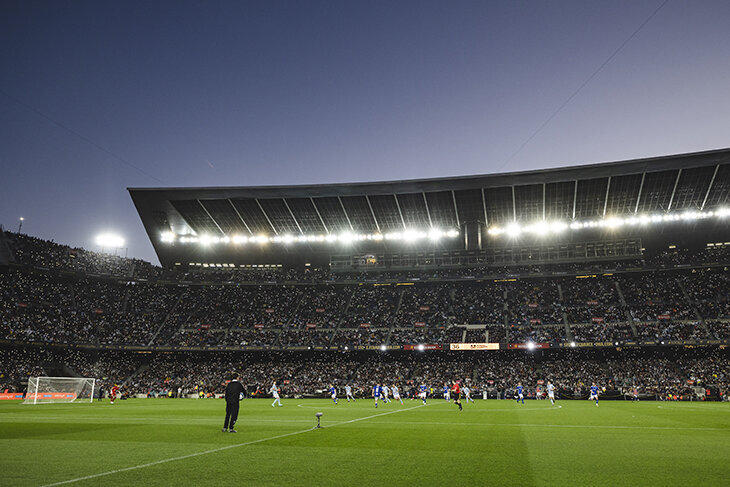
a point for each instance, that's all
(246, 93)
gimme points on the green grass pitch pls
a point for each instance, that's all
(179, 442)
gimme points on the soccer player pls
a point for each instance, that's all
(447, 397)
(234, 392)
(551, 392)
(377, 393)
(520, 396)
(396, 394)
(348, 393)
(594, 393)
(423, 391)
(467, 394)
(333, 393)
(113, 393)
(274, 391)
(386, 392)
(456, 390)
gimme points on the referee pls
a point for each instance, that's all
(234, 389)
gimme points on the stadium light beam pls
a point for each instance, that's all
(109, 240)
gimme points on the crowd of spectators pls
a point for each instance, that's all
(89, 306)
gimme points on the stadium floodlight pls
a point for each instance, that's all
(435, 234)
(383, 348)
(572, 344)
(346, 237)
(495, 231)
(513, 230)
(452, 233)
(239, 239)
(167, 237)
(109, 240)
(420, 347)
(530, 346)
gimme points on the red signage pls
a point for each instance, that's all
(535, 321)
(592, 302)
(311, 325)
(532, 305)
(663, 317)
(99, 311)
(419, 324)
(22, 305)
(319, 310)
(520, 346)
(11, 395)
(597, 319)
(258, 325)
(205, 326)
(364, 325)
(423, 346)
(269, 310)
(424, 308)
(51, 395)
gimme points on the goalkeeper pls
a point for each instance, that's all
(234, 393)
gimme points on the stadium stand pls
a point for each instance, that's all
(619, 307)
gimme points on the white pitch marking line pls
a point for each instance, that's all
(215, 450)
(561, 426)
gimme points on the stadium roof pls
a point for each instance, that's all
(695, 181)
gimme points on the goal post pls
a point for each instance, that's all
(46, 390)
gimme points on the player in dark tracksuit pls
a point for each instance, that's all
(234, 389)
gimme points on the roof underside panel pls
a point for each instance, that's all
(332, 214)
(252, 215)
(196, 216)
(306, 215)
(469, 204)
(279, 215)
(692, 188)
(591, 198)
(441, 207)
(358, 211)
(386, 212)
(720, 192)
(623, 194)
(559, 200)
(657, 191)
(500, 209)
(413, 207)
(225, 216)
(528, 202)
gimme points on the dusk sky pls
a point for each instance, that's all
(99, 96)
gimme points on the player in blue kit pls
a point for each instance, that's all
(377, 391)
(447, 395)
(423, 391)
(520, 396)
(594, 393)
(333, 393)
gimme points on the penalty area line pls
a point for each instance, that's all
(216, 450)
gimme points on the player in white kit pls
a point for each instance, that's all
(386, 393)
(275, 394)
(467, 394)
(396, 394)
(551, 392)
(348, 393)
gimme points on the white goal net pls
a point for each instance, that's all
(43, 390)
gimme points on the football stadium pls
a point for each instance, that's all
(555, 327)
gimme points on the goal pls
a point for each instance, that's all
(44, 390)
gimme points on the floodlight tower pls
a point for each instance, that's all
(20, 224)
